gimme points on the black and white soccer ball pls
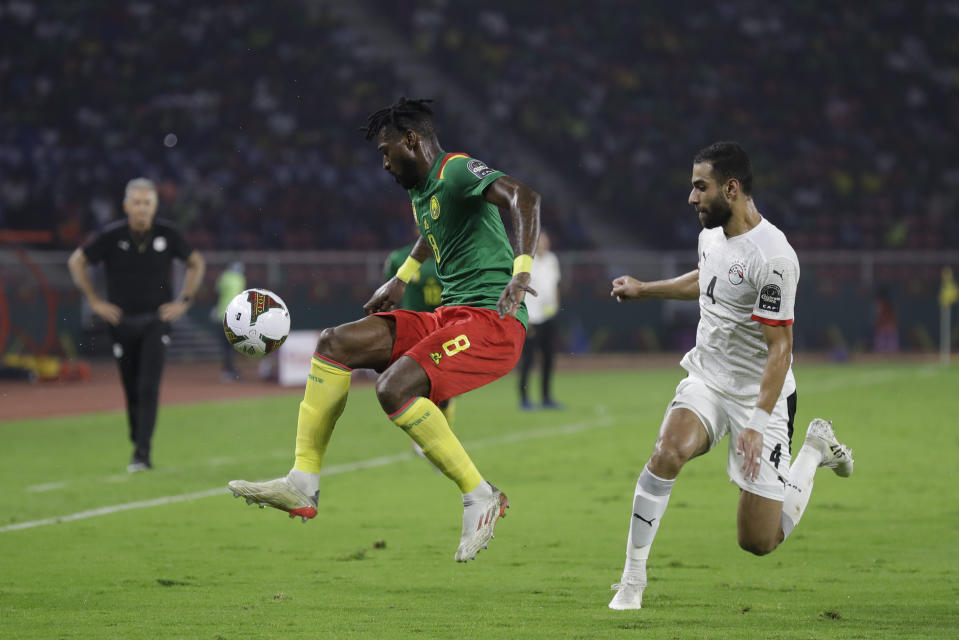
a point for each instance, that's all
(256, 322)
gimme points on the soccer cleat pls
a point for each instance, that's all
(835, 456)
(479, 520)
(138, 465)
(279, 493)
(629, 595)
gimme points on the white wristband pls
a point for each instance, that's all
(758, 420)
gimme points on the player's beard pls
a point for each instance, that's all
(406, 174)
(717, 214)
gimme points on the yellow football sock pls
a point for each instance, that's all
(427, 425)
(323, 402)
(450, 411)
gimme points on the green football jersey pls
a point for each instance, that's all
(474, 259)
(424, 291)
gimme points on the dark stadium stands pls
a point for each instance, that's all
(247, 113)
(850, 114)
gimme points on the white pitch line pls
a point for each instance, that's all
(49, 486)
(347, 467)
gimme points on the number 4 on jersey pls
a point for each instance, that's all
(710, 289)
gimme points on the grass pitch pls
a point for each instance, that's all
(170, 554)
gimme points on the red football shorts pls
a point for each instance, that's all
(460, 348)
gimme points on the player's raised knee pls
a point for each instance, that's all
(759, 546)
(391, 395)
(335, 343)
(667, 460)
(327, 342)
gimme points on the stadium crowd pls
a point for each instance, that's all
(247, 113)
(849, 113)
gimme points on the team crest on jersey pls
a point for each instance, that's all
(737, 273)
(159, 244)
(434, 207)
(260, 303)
(478, 168)
(770, 298)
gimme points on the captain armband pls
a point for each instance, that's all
(408, 269)
(522, 264)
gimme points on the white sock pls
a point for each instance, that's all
(649, 505)
(799, 488)
(308, 483)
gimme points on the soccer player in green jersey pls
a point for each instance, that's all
(423, 293)
(474, 337)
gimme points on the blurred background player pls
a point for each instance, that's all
(137, 254)
(740, 378)
(475, 337)
(229, 284)
(541, 335)
(423, 293)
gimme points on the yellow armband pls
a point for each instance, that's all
(408, 269)
(522, 264)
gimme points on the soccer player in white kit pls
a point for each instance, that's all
(740, 378)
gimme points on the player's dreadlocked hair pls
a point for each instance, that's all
(401, 115)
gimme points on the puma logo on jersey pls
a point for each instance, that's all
(780, 274)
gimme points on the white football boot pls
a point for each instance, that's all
(629, 594)
(479, 519)
(279, 493)
(835, 456)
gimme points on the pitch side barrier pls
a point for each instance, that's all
(840, 294)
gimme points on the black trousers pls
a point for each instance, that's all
(539, 338)
(139, 345)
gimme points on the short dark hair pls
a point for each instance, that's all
(729, 161)
(402, 115)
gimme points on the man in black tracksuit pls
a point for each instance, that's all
(137, 254)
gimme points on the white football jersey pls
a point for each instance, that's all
(743, 281)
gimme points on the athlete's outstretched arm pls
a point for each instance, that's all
(684, 287)
(391, 292)
(523, 206)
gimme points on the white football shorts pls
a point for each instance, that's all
(722, 415)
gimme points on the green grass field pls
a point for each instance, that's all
(876, 555)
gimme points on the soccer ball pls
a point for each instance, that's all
(256, 322)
